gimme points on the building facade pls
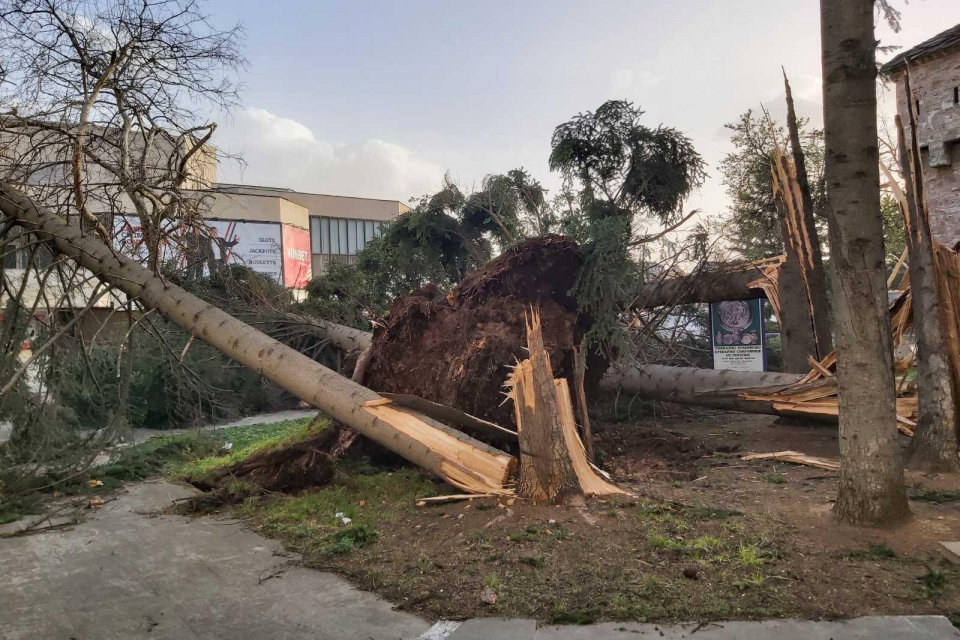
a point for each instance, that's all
(934, 67)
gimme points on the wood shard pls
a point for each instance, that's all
(828, 464)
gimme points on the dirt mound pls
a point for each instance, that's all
(638, 451)
(456, 349)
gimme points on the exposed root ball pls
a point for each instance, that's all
(291, 469)
(457, 349)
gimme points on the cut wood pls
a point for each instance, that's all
(579, 372)
(796, 457)
(455, 417)
(464, 462)
(453, 498)
(553, 462)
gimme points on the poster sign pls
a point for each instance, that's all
(128, 239)
(296, 257)
(252, 244)
(737, 335)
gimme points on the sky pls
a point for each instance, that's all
(382, 98)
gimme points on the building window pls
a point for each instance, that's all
(340, 239)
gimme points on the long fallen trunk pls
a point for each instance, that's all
(707, 286)
(717, 388)
(451, 454)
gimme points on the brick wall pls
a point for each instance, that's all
(934, 83)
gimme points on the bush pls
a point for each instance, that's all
(207, 387)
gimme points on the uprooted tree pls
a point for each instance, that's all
(543, 402)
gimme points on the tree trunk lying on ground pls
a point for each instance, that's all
(717, 388)
(706, 286)
(451, 454)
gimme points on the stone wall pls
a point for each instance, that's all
(936, 85)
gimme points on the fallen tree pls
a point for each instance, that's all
(450, 454)
(733, 283)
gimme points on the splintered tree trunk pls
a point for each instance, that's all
(460, 460)
(934, 445)
(815, 274)
(796, 335)
(553, 462)
(871, 476)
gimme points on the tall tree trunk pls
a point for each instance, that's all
(934, 445)
(871, 476)
(815, 274)
(451, 454)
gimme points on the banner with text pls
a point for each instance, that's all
(296, 257)
(252, 244)
(737, 336)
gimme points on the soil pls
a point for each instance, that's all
(456, 349)
(710, 537)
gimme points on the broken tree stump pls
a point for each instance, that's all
(553, 462)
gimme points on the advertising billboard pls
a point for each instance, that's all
(253, 244)
(737, 335)
(128, 239)
(296, 257)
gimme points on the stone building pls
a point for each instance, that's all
(935, 82)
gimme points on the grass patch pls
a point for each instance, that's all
(309, 522)
(936, 496)
(710, 513)
(775, 478)
(246, 441)
(873, 552)
(933, 582)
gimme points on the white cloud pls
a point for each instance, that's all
(623, 80)
(281, 152)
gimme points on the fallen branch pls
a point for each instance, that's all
(796, 457)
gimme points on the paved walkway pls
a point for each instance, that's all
(130, 573)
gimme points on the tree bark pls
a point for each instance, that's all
(450, 454)
(796, 332)
(708, 286)
(553, 461)
(934, 445)
(871, 477)
(546, 471)
(816, 276)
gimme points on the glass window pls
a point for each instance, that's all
(314, 235)
(334, 235)
(342, 223)
(376, 229)
(368, 231)
(10, 256)
(324, 235)
(351, 237)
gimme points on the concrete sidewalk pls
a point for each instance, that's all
(129, 572)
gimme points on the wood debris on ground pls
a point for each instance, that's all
(796, 457)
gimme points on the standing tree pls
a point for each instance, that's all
(871, 476)
(934, 445)
(108, 105)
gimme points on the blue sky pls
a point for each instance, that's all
(379, 99)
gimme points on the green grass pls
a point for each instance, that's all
(174, 455)
(873, 552)
(936, 496)
(309, 522)
(246, 442)
(775, 478)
